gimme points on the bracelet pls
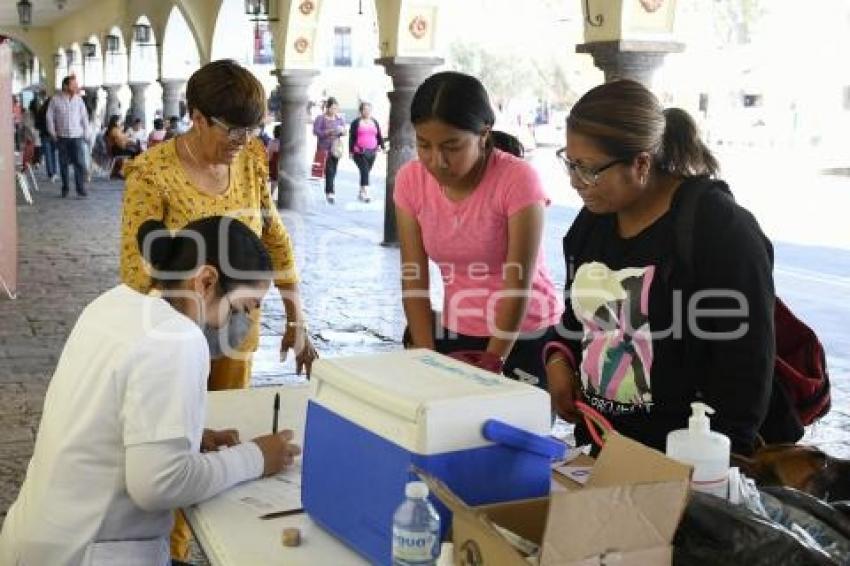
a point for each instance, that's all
(296, 324)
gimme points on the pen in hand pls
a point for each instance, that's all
(276, 411)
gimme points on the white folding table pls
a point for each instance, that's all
(230, 533)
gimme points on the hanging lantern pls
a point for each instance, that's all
(89, 50)
(24, 12)
(256, 8)
(142, 33)
(112, 43)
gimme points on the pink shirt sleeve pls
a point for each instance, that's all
(407, 193)
(522, 187)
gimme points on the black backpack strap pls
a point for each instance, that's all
(685, 207)
(685, 204)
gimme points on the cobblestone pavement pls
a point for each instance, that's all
(350, 284)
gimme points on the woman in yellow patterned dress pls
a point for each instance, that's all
(218, 167)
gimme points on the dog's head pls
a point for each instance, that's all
(802, 467)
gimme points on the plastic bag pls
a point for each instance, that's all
(809, 516)
(716, 532)
(743, 491)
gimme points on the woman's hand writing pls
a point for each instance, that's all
(278, 451)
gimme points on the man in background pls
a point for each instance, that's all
(68, 125)
(174, 128)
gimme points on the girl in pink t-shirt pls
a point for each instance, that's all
(471, 205)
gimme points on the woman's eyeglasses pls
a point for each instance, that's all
(582, 173)
(237, 135)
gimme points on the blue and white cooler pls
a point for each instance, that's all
(371, 418)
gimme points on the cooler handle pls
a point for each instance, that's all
(513, 437)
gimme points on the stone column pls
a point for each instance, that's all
(407, 74)
(113, 105)
(138, 103)
(292, 191)
(629, 59)
(172, 92)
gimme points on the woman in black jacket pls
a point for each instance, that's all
(647, 331)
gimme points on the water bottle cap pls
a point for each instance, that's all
(416, 490)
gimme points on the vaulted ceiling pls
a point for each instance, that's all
(44, 12)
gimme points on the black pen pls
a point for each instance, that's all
(277, 514)
(276, 411)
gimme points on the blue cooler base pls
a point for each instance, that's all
(353, 480)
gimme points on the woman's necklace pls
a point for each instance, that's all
(217, 175)
(188, 149)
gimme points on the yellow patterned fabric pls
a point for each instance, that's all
(157, 188)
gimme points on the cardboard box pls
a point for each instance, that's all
(625, 514)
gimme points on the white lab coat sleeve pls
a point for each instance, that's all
(168, 474)
(165, 392)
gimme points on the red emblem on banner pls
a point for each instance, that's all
(301, 44)
(418, 27)
(306, 7)
(651, 5)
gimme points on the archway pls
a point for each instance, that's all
(92, 79)
(33, 51)
(74, 61)
(116, 60)
(248, 43)
(179, 43)
(143, 63)
(92, 64)
(25, 72)
(115, 73)
(346, 47)
(146, 96)
(60, 66)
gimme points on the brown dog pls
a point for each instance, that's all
(802, 467)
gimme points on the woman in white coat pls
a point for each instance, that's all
(120, 439)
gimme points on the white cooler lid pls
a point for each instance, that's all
(426, 402)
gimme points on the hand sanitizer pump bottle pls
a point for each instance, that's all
(706, 451)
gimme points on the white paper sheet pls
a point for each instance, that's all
(281, 492)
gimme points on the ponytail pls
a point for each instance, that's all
(683, 153)
(624, 118)
(506, 142)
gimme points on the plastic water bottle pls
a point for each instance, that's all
(416, 529)
(705, 450)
